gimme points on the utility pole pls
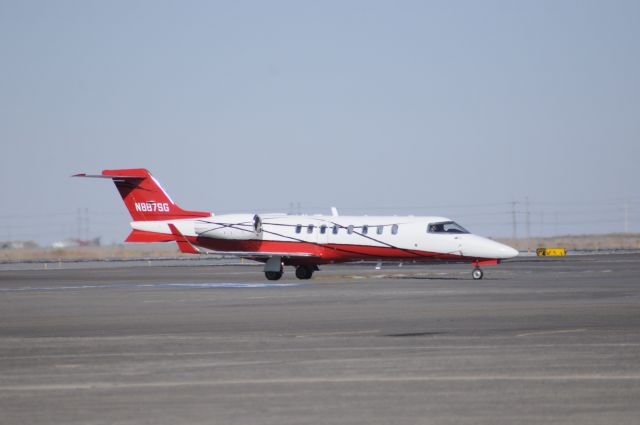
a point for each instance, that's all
(79, 222)
(527, 222)
(86, 224)
(626, 217)
(514, 229)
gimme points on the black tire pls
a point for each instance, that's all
(273, 275)
(304, 272)
(477, 274)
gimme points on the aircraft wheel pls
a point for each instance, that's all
(477, 273)
(304, 272)
(273, 275)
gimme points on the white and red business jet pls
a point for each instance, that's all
(302, 241)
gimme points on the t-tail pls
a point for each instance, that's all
(144, 197)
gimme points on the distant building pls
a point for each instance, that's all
(18, 245)
(76, 243)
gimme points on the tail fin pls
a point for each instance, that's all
(144, 197)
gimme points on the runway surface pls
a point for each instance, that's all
(539, 340)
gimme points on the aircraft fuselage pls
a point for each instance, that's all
(329, 239)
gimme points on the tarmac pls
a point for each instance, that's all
(538, 340)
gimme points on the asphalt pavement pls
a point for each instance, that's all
(538, 340)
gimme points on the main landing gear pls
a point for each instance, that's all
(273, 275)
(305, 272)
(477, 273)
(273, 268)
(302, 272)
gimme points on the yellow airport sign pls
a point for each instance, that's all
(551, 252)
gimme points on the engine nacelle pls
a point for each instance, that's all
(232, 226)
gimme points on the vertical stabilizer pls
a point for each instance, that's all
(144, 197)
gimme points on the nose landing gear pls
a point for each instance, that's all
(477, 273)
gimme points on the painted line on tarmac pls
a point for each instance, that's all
(153, 285)
(368, 349)
(312, 381)
(562, 331)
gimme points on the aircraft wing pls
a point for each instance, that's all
(187, 247)
(262, 254)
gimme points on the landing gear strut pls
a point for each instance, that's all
(477, 273)
(304, 272)
(273, 275)
(273, 268)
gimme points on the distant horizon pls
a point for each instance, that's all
(606, 243)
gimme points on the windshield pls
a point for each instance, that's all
(446, 227)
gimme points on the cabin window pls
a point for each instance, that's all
(310, 228)
(335, 229)
(379, 230)
(394, 229)
(446, 227)
(299, 228)
(350, 229)
(323, 229)
(365, 229)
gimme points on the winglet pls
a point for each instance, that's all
(184, 245)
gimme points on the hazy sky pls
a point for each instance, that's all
(449, 108)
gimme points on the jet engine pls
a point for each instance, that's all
(235, 227)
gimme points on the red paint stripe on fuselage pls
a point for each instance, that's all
(327, 253)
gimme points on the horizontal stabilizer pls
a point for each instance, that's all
(101, 176)
(142, 236)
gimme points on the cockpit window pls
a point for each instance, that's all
(446, 227)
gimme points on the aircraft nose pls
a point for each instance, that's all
(477, 246)
(507, 252)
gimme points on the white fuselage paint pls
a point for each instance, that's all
(411, 232)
